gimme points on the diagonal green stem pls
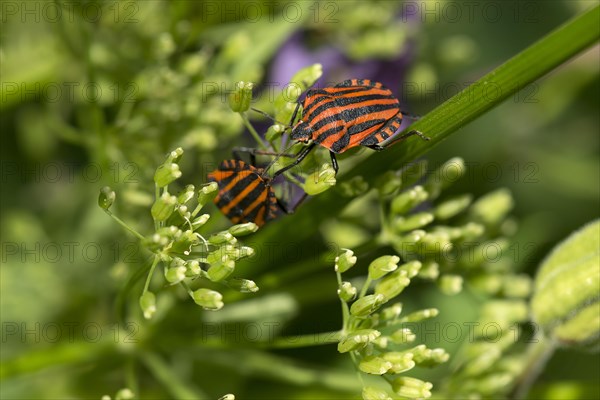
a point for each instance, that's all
(532, 63)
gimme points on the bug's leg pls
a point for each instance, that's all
(294, 115)
(334, 162)
(299, 157)
(411, 116)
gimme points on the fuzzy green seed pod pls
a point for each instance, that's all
(221, 270)
(357, 340)
(373, 393)
(347, 292)
(408, 199)
(148, 304)
(382, 266)
(163, 207)
(411, 387)
(166, 173)
(106, 198)
(320, 181)
(345, 261)
(367, 305)
(241, 97)
(374, 365)
(207, 193)
(565, 301)
(243, 229)
(392, 285)
(208, 299)
(242, 285)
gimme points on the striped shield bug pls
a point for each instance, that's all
(356, 112)
(245, 192)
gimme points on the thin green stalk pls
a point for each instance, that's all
(172, 381)
(253, 131)
(365, 287)
(524, 68)
(538, 354)
(124, 225)
(150, 273)
(345, 309)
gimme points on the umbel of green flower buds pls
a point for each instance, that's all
(106, 198)
(208, 299)
(240, 98)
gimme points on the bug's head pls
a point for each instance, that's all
(301, 132)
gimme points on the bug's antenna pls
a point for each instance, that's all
(268, 116)
(283, 152)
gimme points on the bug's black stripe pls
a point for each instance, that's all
(358, 128)
(239, 186)
(351, 114)
(326, 133)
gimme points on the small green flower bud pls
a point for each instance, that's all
(367, 305)
(413, 173)
(185, 241)
(374, 365)
(243, 229)
(175, 275)
(373, 393)
(242, 285)
(382, 266)
(412, 268)
(430, 270)
(401, 361)
(207, 193)
(221, 238)
(106, 198)
(415, 221)
(493, 207)
(411, 387)
(472, 231)
(192, 268)
(163, 207)
(274, 132)
(345, 261)
(124, 394)
(166, 173)
(421, 315)
(425, 357)
(320, 181)
(174, 156)
(208, 299)
(228, 397)
(198, 222)
(392, 285)
(220, 271)
(240, 98)
(408, 199)
(388, 183)
(148, 304)
(237, 252)
(186, 194)
(518, 286)
(403, 336)
(483, 362)
(487, 282)
(450, 284)
(381, 342)
(392, 312)
(357, 340)
(347, 292)
(452, 207)
(451, 171)
(438, 241)
(354, 187)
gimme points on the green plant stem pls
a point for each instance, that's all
(365, 287)
(124, 225)
(150, 273)
(345, 309)
(534, 62)
(252, 131)
(174, 384)
(537, 355)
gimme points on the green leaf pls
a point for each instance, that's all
(567, 289)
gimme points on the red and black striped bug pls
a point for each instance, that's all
(245, 192)
(356, 112)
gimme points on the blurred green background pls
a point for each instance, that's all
(95, 93)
